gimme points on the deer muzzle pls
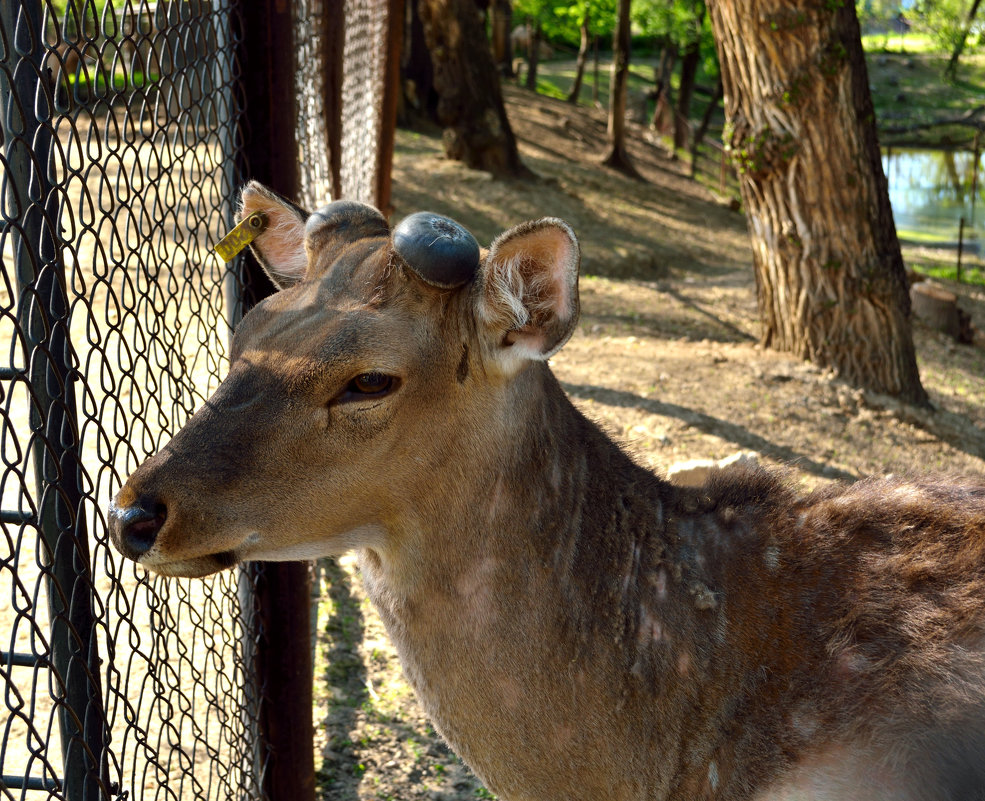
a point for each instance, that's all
(134, 528)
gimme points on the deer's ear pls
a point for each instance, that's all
(529, 289)
(280, 246)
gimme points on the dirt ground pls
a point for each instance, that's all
(665, 358)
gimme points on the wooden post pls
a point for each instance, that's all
(595, 70)
(722, 175)
(388, 123)
(282, 655)
(960, 248)
(976, 153)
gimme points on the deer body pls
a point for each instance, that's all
(575, 627)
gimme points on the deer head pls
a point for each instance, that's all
(355, 389)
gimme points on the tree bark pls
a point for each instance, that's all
(663, 116)
(699, 135)
(595, 70)
(616, 155)
(470, 102)
(502, 23)
(581, 61)
(682, 116)
(801, 133)
(415, 65)
(533, 54)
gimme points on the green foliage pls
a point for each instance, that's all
(936, 25)
(945, 21)
(679, 22)
(91, 19)
(81, 8)
(871, 12)
(560, 22)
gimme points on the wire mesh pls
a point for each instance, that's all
(121, 123)
(122, 130)
(363, 85)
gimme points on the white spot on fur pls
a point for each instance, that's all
(476, 586)
(495, 500)
(849, 664)
(704, 598)
(683, 663)
(632, 571)
(661, 584)
(804, 723)
(713, 776)
(771, 558)
(651, 628)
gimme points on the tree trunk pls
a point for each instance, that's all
(682, 117)
(616, 156)
(951, 71)
(502, 23)
(415, 66)
(580, 63)
(595, 70)
(801, 133)
(699, 135)
(470, 102)
(533, 55)
(662, 115)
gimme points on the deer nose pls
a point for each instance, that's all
(134, 528)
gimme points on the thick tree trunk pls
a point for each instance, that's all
(580, 63)
(802, 135)
(501, 12)
(415, 66)
(470, 102)
(616, 155)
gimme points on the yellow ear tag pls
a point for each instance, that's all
(233, 243)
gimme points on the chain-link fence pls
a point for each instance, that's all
(125, 136)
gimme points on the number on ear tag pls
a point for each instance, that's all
(233, 243)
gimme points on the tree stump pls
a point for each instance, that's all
(935, 307)
(938, 308)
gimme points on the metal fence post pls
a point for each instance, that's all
(266, 55)
(31, 210)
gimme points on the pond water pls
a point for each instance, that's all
(931, 190)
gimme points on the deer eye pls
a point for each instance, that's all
(369, 385)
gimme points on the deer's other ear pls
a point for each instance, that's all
(529, 289)
(280, 246)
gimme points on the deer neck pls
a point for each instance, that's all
(498, 615)
(533, 487)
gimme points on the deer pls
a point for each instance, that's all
(575, 626)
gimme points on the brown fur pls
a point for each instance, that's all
(575, 626)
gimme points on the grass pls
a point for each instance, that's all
(556, 77)
(909, 89)
(906, 43)
(905, 77)
(973, 275)
(121, 81)
(942, 263)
